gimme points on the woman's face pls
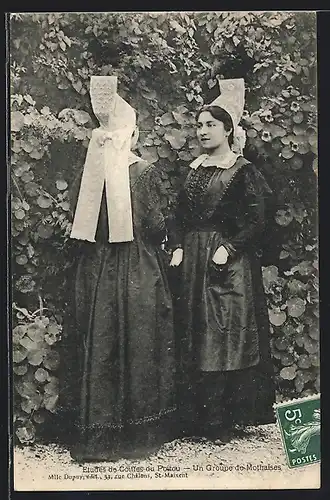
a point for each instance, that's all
(211, 132)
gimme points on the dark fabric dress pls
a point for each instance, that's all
(119, 372)
(225, 365)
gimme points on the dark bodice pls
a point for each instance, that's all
(232, 203)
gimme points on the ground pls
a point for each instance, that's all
(198, 464)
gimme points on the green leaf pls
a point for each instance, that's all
(235, 40)
(18, 333)
(296, 307)
(52, 360)
(277, 131)
(21, 169)
(185, 156)
(177, 27)
(287, 152)
(317, 383)
(39, 417)
(252, 133)
(299, 213)
(27, 389)
(176, 138)
(167, 119)
(31, 404)
(315, 359)
(304, 361)
(19, 226)
(61, 185)
(287, 359)
(311, 345)
(25, 205)
(165, 151)
(50, 402)
(283, 217)
(302, 378)
(35, 350)
(35, 357)
(27, 146)
(276, 317)
(45, 231)
(304, 268)
(20, 370)
(51, 394)
(19, 214)
(53, 333)
(16, 121)
(31, 189)
(41, 375)
(16, 146)
(289, 330)
(300, 339)
(37, 154)
(65, 205)
(29, 99)
(81, 117)
(182, 117)
(21, 259)
(314, 332)
(276, 354)
(270, 277)
(299, 130)
(42, 321)
(296, 287)
(282, 344)
(296, 163)
(36, 332)
(149, 154)
(77, 86)
(289, 372)
(52, 387)
(298, 117)
(62, 86)
(26, 433)
(44, 201)
(299, 383)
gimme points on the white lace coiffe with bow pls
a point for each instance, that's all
(107, 166)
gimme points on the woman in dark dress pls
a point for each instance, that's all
(118, 380)
(225, 364)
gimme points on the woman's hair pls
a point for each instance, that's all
(222, 116)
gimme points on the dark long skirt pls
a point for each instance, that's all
(225, 399)
(118, 394)
(232, 394)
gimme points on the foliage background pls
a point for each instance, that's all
(166, 66)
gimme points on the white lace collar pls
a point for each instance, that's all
(224, 162)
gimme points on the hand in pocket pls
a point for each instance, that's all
(221, 256)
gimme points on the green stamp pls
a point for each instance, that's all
(300, 424)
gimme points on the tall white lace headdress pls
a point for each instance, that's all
(232, 99)
(107, 165)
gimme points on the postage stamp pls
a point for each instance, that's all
(300, 424)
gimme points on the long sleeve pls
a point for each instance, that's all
(175, 224)
(148, 205)
(255, 193)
